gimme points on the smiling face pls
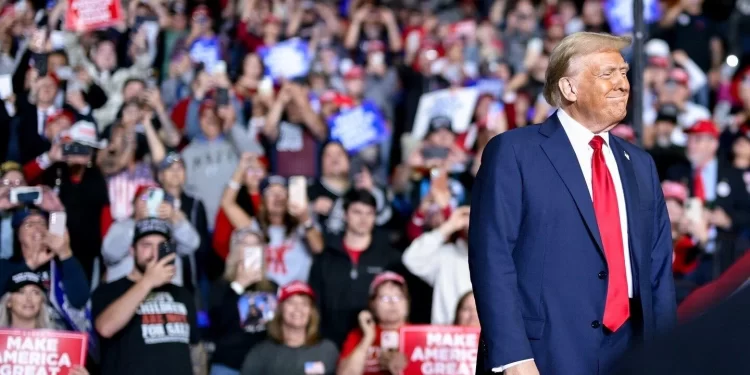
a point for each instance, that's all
(601, 89)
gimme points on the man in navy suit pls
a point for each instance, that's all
(570, 246)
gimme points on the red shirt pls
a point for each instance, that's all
(354, 254)
(372, 363)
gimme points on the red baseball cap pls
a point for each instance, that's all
(356, 72)
(624, 131)
(674, 190)
(59, 114)
(658, 61)
(704, 127)
(384, 277)
(679, 75)
(294, 288)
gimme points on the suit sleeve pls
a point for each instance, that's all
(494, 230)
(662, 281)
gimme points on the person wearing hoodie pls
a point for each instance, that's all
(342, 273)
(116, 246)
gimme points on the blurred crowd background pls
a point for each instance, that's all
(310, 163)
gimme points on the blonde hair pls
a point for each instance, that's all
(312, 333)
(43, 320)
(573, 47)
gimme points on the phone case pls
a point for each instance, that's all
(155, 198)
(298, 190)
(253, 257)
(57, 223)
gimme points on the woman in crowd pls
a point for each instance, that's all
(292, 235)
(242, 303)
(24, 307)
(250, 171)
(466, 311)
(51, 257)
(294, 346)
(24, 304)
(363, 352)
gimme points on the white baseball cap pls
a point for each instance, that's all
(84, 132)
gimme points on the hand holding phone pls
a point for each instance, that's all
(153, 201)
(253, 258)
(298, 191)
(57, 223)
(165, 248)
(26, 195)
(389, 340)
(694, 210)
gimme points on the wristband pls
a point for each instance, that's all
(237, 288)
(234, 185)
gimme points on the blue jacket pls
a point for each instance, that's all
(535, 252)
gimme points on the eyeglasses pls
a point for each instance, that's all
(32, 223)
(390, 299)
(13, 183)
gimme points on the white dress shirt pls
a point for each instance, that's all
(579, 138)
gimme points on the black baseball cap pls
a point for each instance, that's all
(147, 227)
(439, 123)
(21, 279)
(668, 112)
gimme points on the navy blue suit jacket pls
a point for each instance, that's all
(535, 252)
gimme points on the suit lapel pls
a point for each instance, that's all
(560, 153)
(630, 189)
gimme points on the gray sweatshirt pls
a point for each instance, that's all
(209, 165)
(119, 238)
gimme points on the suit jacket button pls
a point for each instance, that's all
(603, 275)
(595, 324)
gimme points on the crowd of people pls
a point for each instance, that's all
(219, 220)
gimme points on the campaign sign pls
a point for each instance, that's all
(458, 104)
(358, 127)
(288, 59)
(88, 15)
(439, 350)
(620, 14)
(206, 51)
(41, 352)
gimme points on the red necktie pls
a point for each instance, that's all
(617, 306)
(699, 190)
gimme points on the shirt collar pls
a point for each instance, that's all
(578, 134)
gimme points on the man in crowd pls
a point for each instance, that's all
(147, 325)
(568, 207)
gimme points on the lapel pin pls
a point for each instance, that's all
(627, 156)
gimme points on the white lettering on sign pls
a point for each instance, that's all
(460, 340)
(355, 129)
(32, 343)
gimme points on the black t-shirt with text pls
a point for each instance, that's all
(157, 338)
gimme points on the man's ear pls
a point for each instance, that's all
(568, 89)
